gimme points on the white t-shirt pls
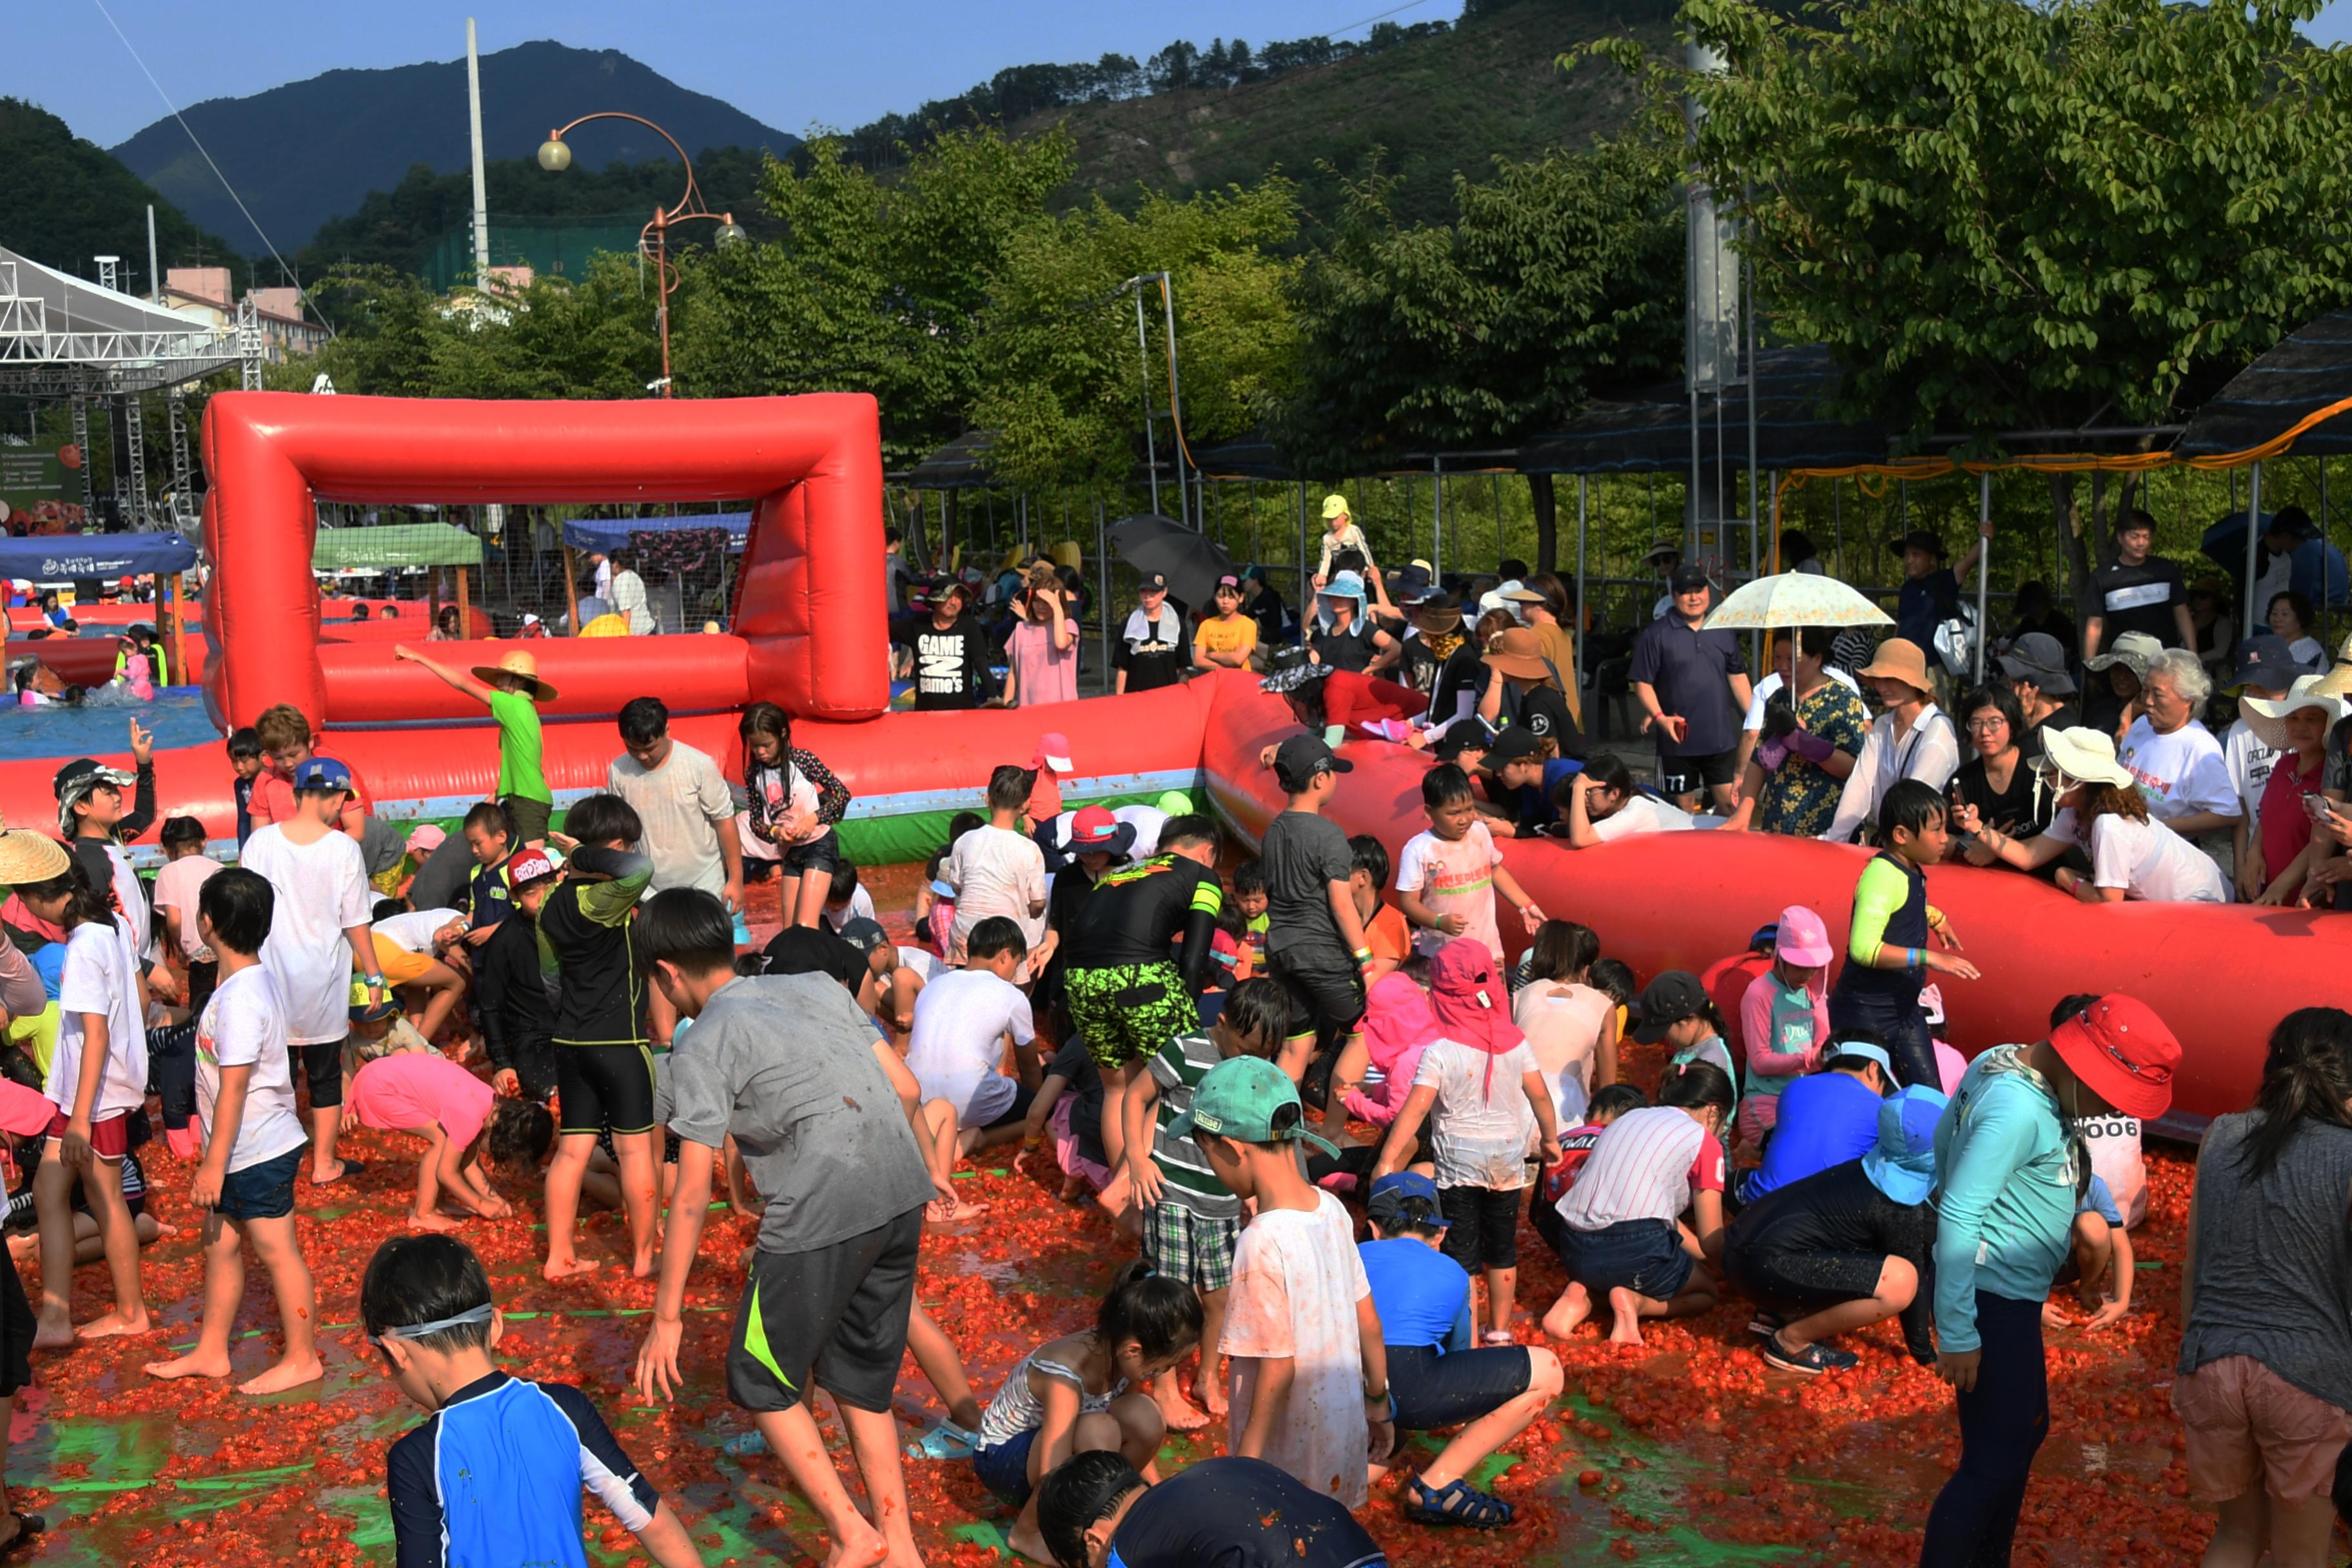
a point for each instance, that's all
(1147, 821)
(131, 894)
(1642, 813)
(1772, 685)
(1563, 1026)
(2248, 759)
(2113, 1142)
(995, 871)
(2178, 774)
(322, 891)
(2147, 860)
(1481, 1127)
(680, 805)
(1296, 1279)
(1453, 877)
(923, 962)
(101, 975)
(2308, 650)
(860, 907)
(413, 933)
(244, 1024)
(177, 887)
(957, 1046)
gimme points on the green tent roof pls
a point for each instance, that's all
(394, 545)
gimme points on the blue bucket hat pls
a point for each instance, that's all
(1903, 1164)
(1345, 585)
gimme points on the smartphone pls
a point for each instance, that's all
(2315, 807)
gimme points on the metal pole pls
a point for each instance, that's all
(1303, 587)
(1143, 359)
(1176, 398)
(2254, 542)
(1747, 312)
(1583, 621)
(481, 195)
(1984, 566)
(1102, 580)
(1437, 513)
(154, 274)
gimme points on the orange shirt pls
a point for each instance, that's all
(273, 800)
(1388, 936)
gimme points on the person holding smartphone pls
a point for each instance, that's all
(2296, 727)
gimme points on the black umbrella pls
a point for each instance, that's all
(1191, 561)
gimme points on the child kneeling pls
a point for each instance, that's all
(1084, 1392)
(428, 1096)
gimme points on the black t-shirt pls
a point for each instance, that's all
(1153, 652)
(1925, 603)
(1464, 671)
(2014, 810)
(1351, 649)
(602, 1000)
(2066, 718)
(1071, 890)
(1136, 913)
(1074, 1063)
(951, 667)
(1838, 1210)
(1302, 855)
(1271, 615)
(1240, 1513)
(2136, 599)
(1543, 713)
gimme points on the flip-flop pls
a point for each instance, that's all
(29, 1529)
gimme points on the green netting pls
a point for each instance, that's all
(559, 245)
(394, 545)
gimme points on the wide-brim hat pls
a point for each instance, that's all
(2338, 682)
(1290, 676)
(1899, 658)
(2267, 719)
(2122, 1053)
(1518, 653)
(27, 857)
(1660, 550)
(2038, 658)
(1094, 831)
(1902, 1164)
(1438, 614)
(2082, 754)
(2136, 651)
(522, 666)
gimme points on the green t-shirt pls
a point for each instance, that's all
(518, 747)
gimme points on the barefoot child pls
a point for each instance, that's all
(243, 1185)
(97, 1078)
(495, 1474)
(426, 1094)
(1623, 1238)
(1449, 875)
(518, 1017)
(1485, 1099)
(963, 1021)
(317, 931)
(1083, 1392)
(604, 1069)
(1310, 1381)
(512, 692)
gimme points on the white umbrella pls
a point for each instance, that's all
(1795, 599)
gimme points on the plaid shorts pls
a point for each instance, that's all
(1193, 1248)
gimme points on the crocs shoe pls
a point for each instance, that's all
(945, 1441)
(1765, 1323)
(1810, 1361)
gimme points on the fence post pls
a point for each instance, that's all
(1102, 581)
(1583, 618)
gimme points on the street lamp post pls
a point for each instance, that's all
(653, 240)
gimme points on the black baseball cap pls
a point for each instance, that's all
(1514, 744)
(863, 934)
(808, 950)
(1301, 757)
(1669, 999)
(1689, 579)
(81, 776)
(1152, 583)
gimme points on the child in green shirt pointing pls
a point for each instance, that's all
(513, 690)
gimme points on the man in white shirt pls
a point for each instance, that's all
(2175, 759)
(682, 803)
(963, 1019)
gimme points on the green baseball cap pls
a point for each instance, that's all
(1249, 1101)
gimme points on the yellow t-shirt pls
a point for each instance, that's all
(1216, 635)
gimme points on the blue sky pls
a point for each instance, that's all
(791, 65)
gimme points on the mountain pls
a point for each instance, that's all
(306, 152)
(63, 201)
(1442, 102)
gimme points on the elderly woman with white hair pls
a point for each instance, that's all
(2103, 812)
(2175, 759)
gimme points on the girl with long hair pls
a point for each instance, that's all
(796, 803)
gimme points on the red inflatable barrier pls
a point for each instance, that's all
(814, 557)
(2221, 975)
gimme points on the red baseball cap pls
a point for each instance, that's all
(2121, 1049)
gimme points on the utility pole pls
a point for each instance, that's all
(154, 274)
(1143, 358)
(481, 195)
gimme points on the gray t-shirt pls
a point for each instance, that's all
(1304, 854)
(2274, 1258)
(785, 1062)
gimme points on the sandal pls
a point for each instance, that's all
(945, 1441)
(30, 1528)
(1455, 1502)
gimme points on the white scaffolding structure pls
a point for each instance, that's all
(64, 339)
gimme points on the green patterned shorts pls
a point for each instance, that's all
(1126, 1011)
(1195, 1248)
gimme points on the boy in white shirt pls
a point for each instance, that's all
(998, 869)
(318, 930)
(1448, 877)
(962, 1020)
(253, 1143)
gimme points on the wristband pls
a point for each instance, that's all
(1917, 958)
(1363, 955)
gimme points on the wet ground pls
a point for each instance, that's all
(1686, 1452)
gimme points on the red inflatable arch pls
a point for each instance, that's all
(813, 559)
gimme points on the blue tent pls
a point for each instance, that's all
(63, 557)
(609, 533)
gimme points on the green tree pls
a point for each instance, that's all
(1558, 280)
(64, 200)
(1063, 379)
(2005, 217)
(872, 287)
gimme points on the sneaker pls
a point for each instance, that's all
(1765, 1323)
(945, 1441)
(1810, 1361)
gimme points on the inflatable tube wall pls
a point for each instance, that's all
(814, 559)
(2221, 975)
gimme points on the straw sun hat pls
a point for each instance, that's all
(520, 664)
(2267, 719)
(27, 857)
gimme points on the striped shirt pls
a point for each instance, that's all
(1647, 1165)
(1178, 1069)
